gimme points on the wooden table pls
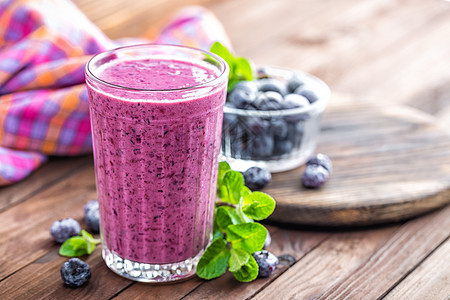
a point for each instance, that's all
(383, 51)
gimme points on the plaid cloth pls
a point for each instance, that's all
(44, 46)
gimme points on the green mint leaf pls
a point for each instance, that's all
(249, 237)
(258, 205)
(90, 241)
(214, 261)
(245, 191)
(243, 69)
(223, 168)
(238, 258)
(226, 216)
(74, 246)
(248, 271)
(217, 235)
(222, 51)
(233, 181)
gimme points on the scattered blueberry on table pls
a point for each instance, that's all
(63, 229)
(257, 178)
(93, 204)
(92, 220)
(321, 160)
(317, 171)
(267, 263)
(268, 240)
(75, 272)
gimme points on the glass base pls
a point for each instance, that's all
(150, 272)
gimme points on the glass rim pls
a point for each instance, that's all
(215, 81)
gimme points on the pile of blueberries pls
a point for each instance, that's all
(266, 137)
(76, 272)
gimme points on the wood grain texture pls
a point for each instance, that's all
(361, 265)
(284, 242)
(431, 280)
(55, 170)
(25, 228)
(390, 163)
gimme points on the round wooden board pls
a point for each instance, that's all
(390, 163)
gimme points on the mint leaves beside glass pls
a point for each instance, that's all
(236, 234)
(240, 68)
(79, 245)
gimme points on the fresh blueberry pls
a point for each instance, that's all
(268, 240)
(308, 94)
(294, 101)
(271, 84)
(294, 83)
(249, 86)
(241, 98)
(256, 126)
(93, 204)
(63, 229)
(314, 176)
(267, 263)
(92, 220)
(279, 128)
(295, 133)
(75, 272)
(283, 147)
(262, 146)
(321, 160)
(257, 178)
(268, 101)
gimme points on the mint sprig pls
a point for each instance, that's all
(79, 245)
(240, 67)
(236, 235)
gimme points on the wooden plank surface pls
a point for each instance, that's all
(431, 280)
(389, 164)
(375, 51)
(362, 265)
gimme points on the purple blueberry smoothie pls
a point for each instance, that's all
(156, 126)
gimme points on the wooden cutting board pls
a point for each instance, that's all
(390, 163)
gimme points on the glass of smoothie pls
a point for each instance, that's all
(156, 117)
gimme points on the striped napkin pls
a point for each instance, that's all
(44, 46)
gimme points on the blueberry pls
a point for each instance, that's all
(314, 176)
(262, 146)
(308, 94)
(249, 86)
(241, 98)
(268, 240)
(294, 101)
(295, 133)
(257, 178)
(294, 83)
(92, 220)
(93, 204)
(267, 263)
(256, 126)
(321, 160)
(268, 101)
(283, 147)
(279, 128)
(63, 229)
(75, 272)
(271, 84)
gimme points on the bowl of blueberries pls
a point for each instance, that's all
(273, 121)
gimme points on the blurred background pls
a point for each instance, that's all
(379, 51)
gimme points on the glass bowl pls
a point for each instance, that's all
(255, 138)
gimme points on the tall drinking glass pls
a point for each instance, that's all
(156, 117)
